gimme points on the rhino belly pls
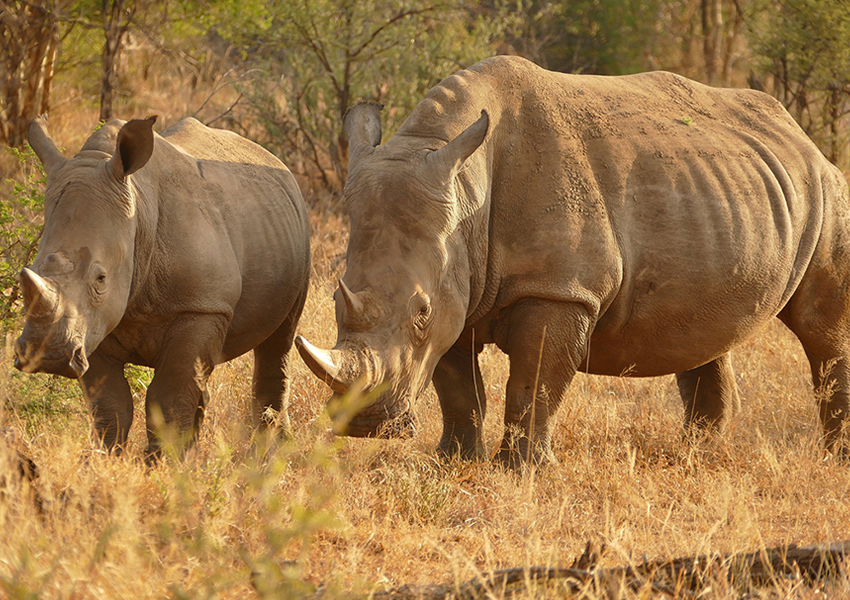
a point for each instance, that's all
(682, 329)
(261, 310)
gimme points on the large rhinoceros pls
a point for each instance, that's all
(176, 251)
(639, 225)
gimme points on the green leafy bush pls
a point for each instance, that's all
(21, 217)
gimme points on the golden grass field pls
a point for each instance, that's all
(341, 517)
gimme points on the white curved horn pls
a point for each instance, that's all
(40, 296)
(321, 362)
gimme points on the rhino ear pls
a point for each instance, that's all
(449, 159)
(361, 127)
(133, 148)
(42, 145)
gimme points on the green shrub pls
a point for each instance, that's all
(21, 217)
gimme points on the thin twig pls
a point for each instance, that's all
(226, 111)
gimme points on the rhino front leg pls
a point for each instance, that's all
(708, 392)
(174, 405)
(460, 388)
(110, 400)
(546, 342)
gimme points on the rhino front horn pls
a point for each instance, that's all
(324, 364)
(40, 296)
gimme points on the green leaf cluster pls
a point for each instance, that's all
(20, 231)
(809, 39)
(804, 47)
(608, 37)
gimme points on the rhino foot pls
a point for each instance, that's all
(516, 454)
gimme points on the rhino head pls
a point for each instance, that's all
(403, 300)
(78, 287)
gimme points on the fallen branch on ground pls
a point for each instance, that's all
(677, 578)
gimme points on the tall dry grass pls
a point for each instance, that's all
(357, 516)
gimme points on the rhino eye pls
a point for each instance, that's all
(423, 317)
(99, 278)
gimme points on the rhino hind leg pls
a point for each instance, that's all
(825, 336)
(270, 382)
(545, 342)
(460, 389)
(110, 400)
(832, 389)
(831, 378)
(708, 393)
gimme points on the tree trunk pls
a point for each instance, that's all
(834, 118)
(737, 20)
(114, 31)
(712, 29)
(29, 35)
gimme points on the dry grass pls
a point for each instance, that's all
(365, 515)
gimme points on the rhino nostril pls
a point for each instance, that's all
(79, 363)
(21, 360)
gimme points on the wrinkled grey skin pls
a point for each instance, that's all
(580, 223)
(176, 251)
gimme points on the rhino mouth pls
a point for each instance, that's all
(354, 371)
(380, 420)
(72, 365)
(402, 426)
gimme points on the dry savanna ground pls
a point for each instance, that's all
(354, 517)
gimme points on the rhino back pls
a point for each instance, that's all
(683, 216)
(226, 232)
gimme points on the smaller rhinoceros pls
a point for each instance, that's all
(177, 251)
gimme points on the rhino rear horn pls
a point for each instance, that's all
(133, 148)
(42, 145)
(449, 159)
(353, 305)
(40, 296)
(361, 128)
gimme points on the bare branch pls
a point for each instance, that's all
(375, 33)
(319, 51)
(226, 111)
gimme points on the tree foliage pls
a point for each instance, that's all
(299, 65)
(314, 58)
(803, 48)
(699, 38)
(20, 230)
